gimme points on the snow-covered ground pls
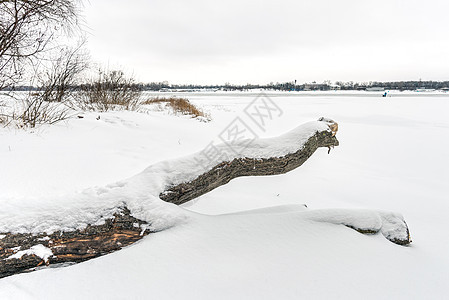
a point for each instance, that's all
(392, 156)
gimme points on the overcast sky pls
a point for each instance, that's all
(213, 42)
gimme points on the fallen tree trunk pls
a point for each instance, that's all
(68, 247)
(228, 170)
(23, 252)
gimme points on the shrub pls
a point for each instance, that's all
(112, 90)
(35, 111)
(50, 102)
(31, 110)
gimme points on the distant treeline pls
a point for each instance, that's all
(291, 86)
(285, 86)
(395, 85)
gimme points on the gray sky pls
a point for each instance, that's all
(213, 42)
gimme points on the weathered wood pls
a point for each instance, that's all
(73, 246)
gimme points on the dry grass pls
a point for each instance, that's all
(180, 105)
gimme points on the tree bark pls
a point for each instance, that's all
(73, 246)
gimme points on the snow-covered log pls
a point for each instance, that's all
(105, 219)
(67, 247)
(260, 158)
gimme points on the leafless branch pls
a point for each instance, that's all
(27, 28)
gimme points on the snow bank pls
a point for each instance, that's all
(391, 225)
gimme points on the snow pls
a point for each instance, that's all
(252, 238)
(392, 225)
(140, 193)
(38, 250)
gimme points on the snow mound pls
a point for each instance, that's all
(391, 225)
(140, 194)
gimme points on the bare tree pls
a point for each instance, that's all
(27, 28)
